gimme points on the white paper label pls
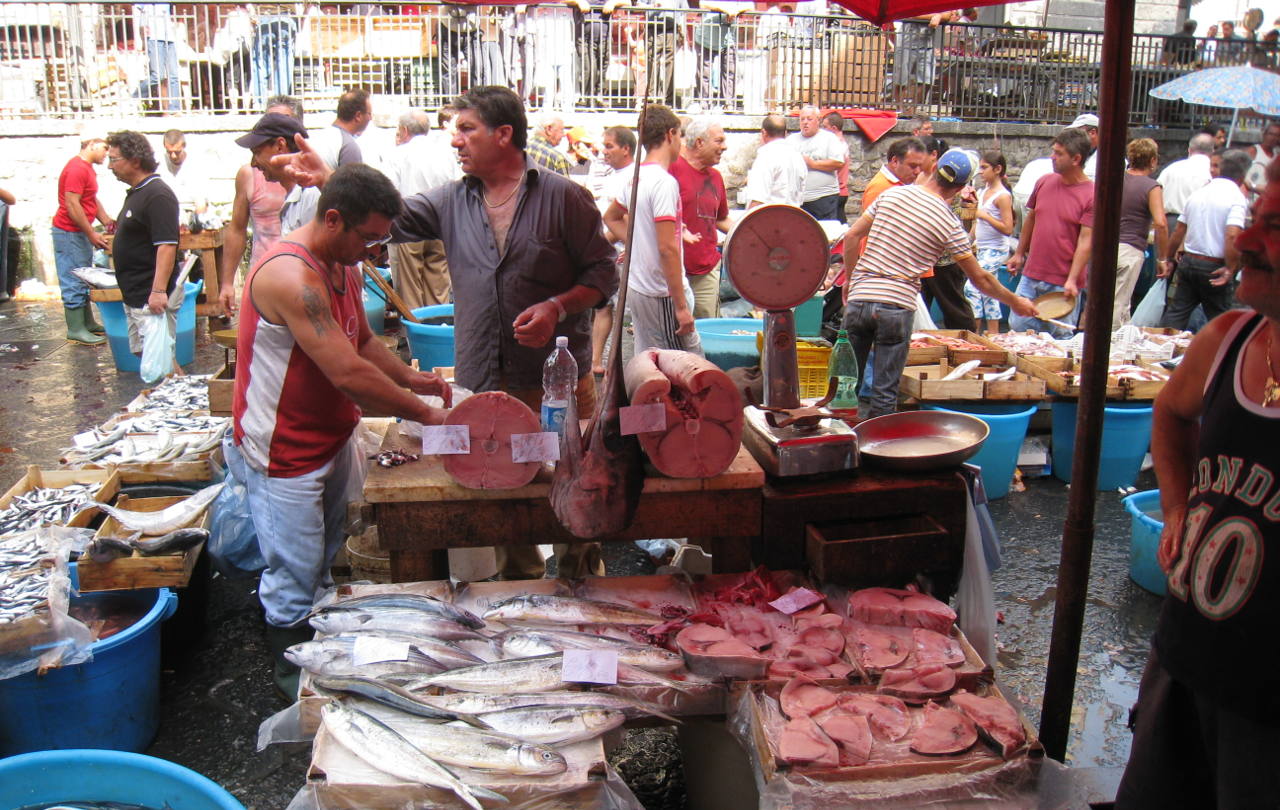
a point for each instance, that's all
(648, 418)
(796, 600)
(85, 439)
(372, 650)
(589, 666)
(535, 447)
(446, 440)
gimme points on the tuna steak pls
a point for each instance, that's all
(802, 742)
(945, 731)
(801, 697)
(889, 718)
(995, 718)
(919, 684)
(894, 606)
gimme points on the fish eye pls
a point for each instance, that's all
(547, 755)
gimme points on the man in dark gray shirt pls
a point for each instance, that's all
(528, 259)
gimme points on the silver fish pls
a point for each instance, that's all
(174, 541)
(335, 619)
(554, 725)
(478, 703)
(45, 505)
(333, 657)
(548, 609)
(523, 643)
(408, 601)
(168, 519)
(537, 674)
(388, 695)
(387, 750)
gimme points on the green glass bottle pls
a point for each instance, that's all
(843, 365)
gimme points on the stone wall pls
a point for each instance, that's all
(35, 158)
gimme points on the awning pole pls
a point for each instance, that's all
(1077, 534)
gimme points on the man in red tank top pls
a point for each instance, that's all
(307, 362)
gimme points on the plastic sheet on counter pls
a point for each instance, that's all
(42, 635)
(285, 726)
(1022, 782)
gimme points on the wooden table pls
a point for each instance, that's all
(209, 244)
(421, 512)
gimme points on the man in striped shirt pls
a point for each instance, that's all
(907, 229)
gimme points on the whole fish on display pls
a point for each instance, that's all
(335, 619)
(549, 609)
(406, 601)
(175, 541)
(334, 657)
(388, 695)
(387, 750)
(168, 519)
(178, 394)
(554, 725)
(540, 673)
(44, 505)
(479, 703)
(521, 643)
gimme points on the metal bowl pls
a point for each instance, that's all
(915, 441)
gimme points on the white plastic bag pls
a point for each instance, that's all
(1150, 311)
(157, 347)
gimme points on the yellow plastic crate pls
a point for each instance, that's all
(812, 362)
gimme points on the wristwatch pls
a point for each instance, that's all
(564, 313)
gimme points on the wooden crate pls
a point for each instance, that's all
(37, 478)
(334, 35)
(925, 383)
(137, 571)
(221, 387)
(1144, 389)
(1021, 386)
(398, 37)
(1049, 368)
(991, 353)
(926, 355)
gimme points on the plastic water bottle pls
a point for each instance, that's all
(559, 381)
(843, 365)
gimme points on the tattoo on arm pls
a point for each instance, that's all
(317, 309)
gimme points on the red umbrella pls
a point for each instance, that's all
(884, 12)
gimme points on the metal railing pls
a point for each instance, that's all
(98, 59)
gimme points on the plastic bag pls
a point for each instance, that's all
(1150, 311)
(233, 539)
(157, 347)
(364, 443)
(45, 635)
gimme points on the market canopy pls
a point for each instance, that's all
(884, 12)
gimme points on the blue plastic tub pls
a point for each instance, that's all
(726, 349)
(84, 775)
(999, 454)
(110, 702)
(375, 303)
(113, 320)
(431, 344)
(1126, 435)
(1144, 540)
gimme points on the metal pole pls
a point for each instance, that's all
(1077, 533)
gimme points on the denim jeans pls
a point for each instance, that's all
(272, 58)
(1031, 288)
(1191, 286)
(888, 328)
(71, 249)
(162, 69)
(300, 523)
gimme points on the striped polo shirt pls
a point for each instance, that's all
(911, 227)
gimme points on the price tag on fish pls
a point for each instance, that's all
(372, 650)
(535, 447)
(446, 440)
(796, 600)
(589, 666)
(649, 418)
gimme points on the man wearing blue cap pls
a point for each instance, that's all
(277, 134)
(907, 229)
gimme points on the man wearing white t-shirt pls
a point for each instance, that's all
(823, 156)
(777, 175)
(658, 295)
(1182, 178)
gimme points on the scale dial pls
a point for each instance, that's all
(776, 256)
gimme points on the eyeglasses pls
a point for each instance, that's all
(111, 160)
(373, 243)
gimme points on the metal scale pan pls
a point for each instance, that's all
(776, 256)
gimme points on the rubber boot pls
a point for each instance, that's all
(76, 331)
(284, 673)
(89, 323)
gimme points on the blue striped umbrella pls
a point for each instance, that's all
(1237, 88)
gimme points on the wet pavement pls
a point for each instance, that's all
(216, 687)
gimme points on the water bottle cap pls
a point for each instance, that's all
(843, 333)
(562, 342)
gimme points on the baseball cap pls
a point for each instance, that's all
(955, 166)
(1085, 120)
(269, 127)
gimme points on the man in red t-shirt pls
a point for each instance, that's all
(74, 237)
(1057, 234)
(705, 208)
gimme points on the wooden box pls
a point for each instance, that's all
(1144, 389)
(37, 478)
(1061, 375)
(926, 383)
(137, 571)
(926, 355)
(863, 554)
(970, 675)
(221, 387)
(333, 35)
(989, 353)
(398, 37)
(1021, 386)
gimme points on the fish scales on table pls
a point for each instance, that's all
(387, 750)
(45, 505)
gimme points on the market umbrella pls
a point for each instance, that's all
(1236, 88)
(883, 12)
